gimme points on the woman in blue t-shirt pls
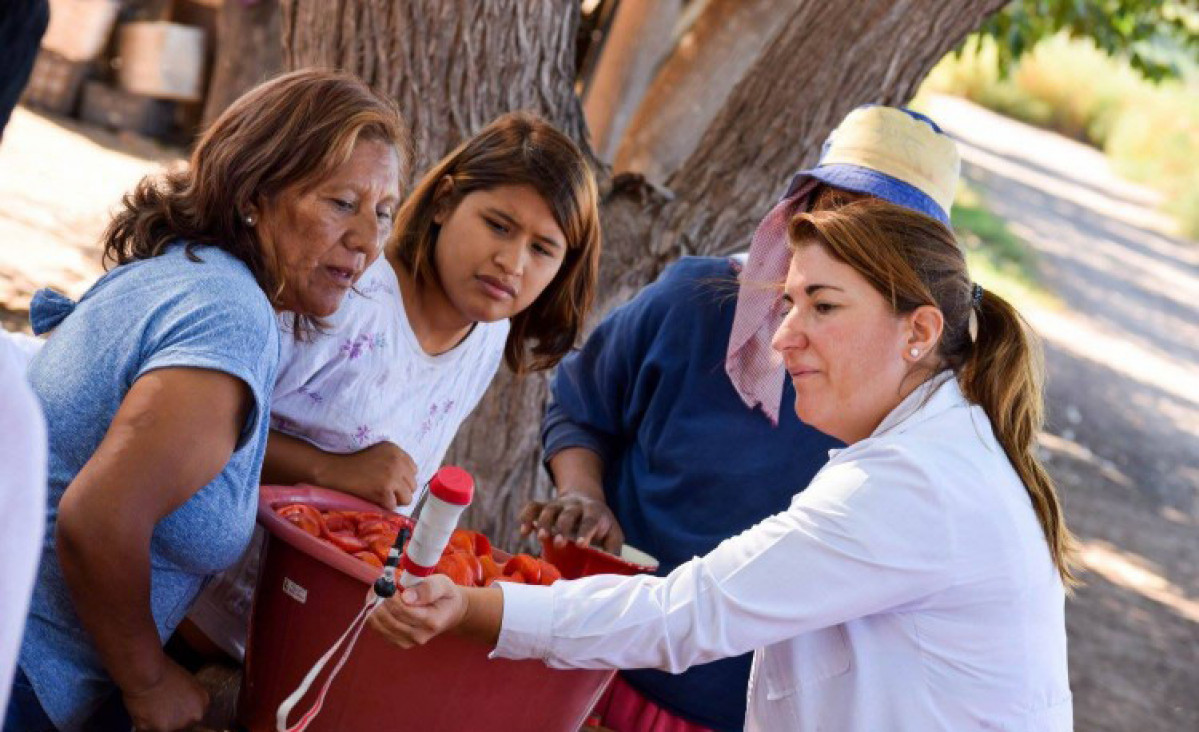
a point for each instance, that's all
(156, 386)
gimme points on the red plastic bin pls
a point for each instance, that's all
(309, 592)
(575, 561)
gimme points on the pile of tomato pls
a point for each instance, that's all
(468, 558)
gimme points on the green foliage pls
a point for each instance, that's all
(1064, 85)
(1149, 130)
(1156, 141)
(1156, 36)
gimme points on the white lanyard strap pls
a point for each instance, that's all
(351, 633)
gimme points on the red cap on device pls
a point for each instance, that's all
(453, 485)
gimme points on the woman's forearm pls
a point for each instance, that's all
(138, 475)
(382, 473)
(484, 614)
(106, 565)
(290, 460)
(578, 470)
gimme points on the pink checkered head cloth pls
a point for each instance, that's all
(891, 153)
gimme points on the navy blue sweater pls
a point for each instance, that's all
(686, 463)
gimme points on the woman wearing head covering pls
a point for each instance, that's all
(917, 583)
(648, 429)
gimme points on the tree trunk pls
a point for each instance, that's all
(248, 52)
(695, 80)
(639, 38)
(453, 65)
(827, 59)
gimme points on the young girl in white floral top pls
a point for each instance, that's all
(494, 257)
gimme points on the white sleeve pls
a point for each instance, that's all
(867, 535)
(22, 346)
(22, 504)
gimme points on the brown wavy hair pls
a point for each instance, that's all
(518, 148)
(291, 131)
(914, 260)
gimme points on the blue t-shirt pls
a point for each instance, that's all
(167, 311)
(686, 463)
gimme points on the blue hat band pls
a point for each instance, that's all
(872, 183)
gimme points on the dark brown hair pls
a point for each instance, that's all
(518, 148)
(913, 260)
(293, 130)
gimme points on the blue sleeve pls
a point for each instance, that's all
(231, 331)
(598, 392)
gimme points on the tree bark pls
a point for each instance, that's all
(696, 78)
(456, 64)
(452, 65)
(826, 60)
(638, 40)
(248, 52)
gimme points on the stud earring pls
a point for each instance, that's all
(914, 352)
(250, 219)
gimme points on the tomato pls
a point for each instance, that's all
(456, 566)
(381, 548)
(491, 570)
(482, 545)
(462, 540)
(366, 522)
(347, 542)
(475, 567)
(382, 534)
(339, 522)
(370, 559)
(303, 516)
(549, 573)
(525, 567)
(297, 508)
(369, 536)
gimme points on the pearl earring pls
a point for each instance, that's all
(914, 352)
(250, 219)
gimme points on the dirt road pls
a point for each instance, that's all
(1122, 355)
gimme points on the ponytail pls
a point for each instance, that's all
(1003, 372)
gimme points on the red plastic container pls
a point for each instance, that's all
(575, 561)
(309, 592)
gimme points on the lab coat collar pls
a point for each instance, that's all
(939, 393)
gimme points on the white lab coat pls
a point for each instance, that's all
(910, 587)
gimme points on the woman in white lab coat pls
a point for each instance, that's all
(917, 583)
